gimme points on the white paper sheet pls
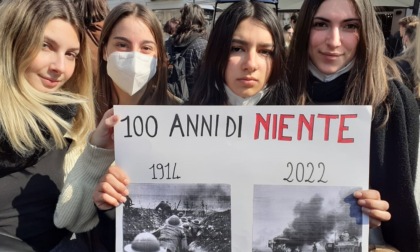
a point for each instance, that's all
(255, 177)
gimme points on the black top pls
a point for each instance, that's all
(30, 185)
(28, 199)
(407, 76)
(193, 50)
(393, 157)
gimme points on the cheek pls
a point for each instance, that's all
(106, 52)
(70, 68)
(268, 68)
(317, 38)
(351, 41)
(314, 42)
(231, 66)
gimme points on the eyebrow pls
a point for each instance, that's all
(55, 44)
(345, 20)
(243, 42)
(128, 41)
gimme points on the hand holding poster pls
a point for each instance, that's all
(257, 178)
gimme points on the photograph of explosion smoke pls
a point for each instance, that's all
(201, 211)
(290, 218)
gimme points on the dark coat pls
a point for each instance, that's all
(393, 157)
(193, 50)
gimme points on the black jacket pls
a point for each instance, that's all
(393, 157)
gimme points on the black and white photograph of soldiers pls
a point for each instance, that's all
(182, 217)
(300, 218)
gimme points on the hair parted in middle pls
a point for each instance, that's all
(209, 87)
(156, 92)
(367, 84)
(22, 26)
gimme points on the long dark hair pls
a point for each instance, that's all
(192, 22)
(209, 88)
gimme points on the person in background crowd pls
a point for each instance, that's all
(170, 27)
(45, 118)
(394, 45)
(403, 23)
(250, 69)
(288, 34)
(131, 72)
(293, 19)
(337, 57)
(408, 62)
(93, 13)
(190, 41)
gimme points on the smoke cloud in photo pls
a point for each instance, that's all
(304, 215)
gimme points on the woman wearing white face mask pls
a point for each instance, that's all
(132, 71)
(132, 68)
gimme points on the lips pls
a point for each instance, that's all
(49, 82)
(331, 54)
(248, 81)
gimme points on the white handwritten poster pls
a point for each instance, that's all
(246, 178)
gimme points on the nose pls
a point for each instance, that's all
(137, 48)
(250, 61)
(334, 37)
(58, 63)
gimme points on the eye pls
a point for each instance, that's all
(46, 46)
(236, 49)
(72, 55)
(351, 27)
(319, 25)
(148, 48)
(266, 52)
(121, 46)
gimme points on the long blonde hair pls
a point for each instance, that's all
(24, 113)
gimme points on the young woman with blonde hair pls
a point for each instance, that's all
(45, 117)
(337, 57)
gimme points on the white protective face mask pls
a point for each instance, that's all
(131, 70)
